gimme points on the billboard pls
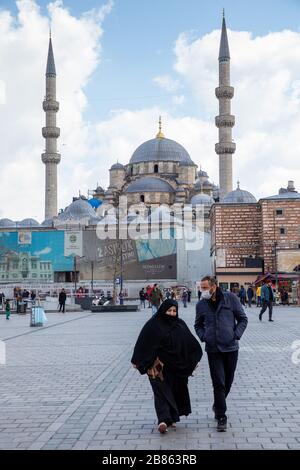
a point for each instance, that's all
(140, 259)
(32, 256)
(73, 243)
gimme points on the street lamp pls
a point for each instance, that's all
(75, 272)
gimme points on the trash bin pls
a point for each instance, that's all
(37, 317)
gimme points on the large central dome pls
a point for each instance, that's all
(161, 149)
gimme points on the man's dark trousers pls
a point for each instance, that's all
(222, 366)
(265, 305)
(62, 306)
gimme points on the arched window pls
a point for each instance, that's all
(156, 168)
(142, 198)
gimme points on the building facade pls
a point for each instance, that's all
(252, 238)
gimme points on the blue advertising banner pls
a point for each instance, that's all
(32, 256)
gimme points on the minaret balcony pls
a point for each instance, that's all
(51, 131)
(225, 92)
(225, 148)
(51, 158)
(50, 105)
(226, 120)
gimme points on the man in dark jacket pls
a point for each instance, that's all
(62, 300)
(267, 298)
(220, 323)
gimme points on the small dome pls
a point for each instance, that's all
(202, 174)
(239, 196)
(202, 199)
(77, 210)
(95, 203)
(149, 185)
(117, 166)
(161, 149)
(94, 220)
(99, 190)
(47, 223)
(207, 184)
(28, 223)
(7, 223)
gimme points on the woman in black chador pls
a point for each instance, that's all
(168, 352)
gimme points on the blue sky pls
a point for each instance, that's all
(139, 37)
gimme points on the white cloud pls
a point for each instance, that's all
(265, 74)
(178, 99)
(23, 54)
(2, 92)
(167, 83)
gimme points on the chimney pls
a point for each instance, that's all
(291, 187)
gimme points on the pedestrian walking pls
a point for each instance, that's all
(156, 298)
(168, 353)
(7, 309)
(284, 296)
(189, 295)
(62, 300)
(242, 295)
(168, 294)
(199, 294)
(184, 297)
(148, 292)
(142, 295)
(220, 323)
(267, 299)
(258, 299)
(250, 295)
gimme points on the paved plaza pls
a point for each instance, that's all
(70, 385)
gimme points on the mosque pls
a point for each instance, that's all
(160, 171)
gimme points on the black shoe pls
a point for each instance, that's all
(271, 319)
(222, 425)
(214, 411)
(260, 317)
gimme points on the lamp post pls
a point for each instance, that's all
(75, 272)
(92, 276)
(275, 265)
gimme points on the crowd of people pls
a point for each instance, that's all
(252, 295)
(154, 295)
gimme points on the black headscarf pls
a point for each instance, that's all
(168, 338)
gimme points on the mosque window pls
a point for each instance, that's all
(279, 211)
(142, 198)
(282, 231)
(156, 168)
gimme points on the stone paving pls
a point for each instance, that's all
(70, 385)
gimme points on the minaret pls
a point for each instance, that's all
(51, 157)
(225, 121)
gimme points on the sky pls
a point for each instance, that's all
(122, 63)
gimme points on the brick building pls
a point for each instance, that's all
(251, 238)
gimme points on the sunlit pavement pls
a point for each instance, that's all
(70, 385)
